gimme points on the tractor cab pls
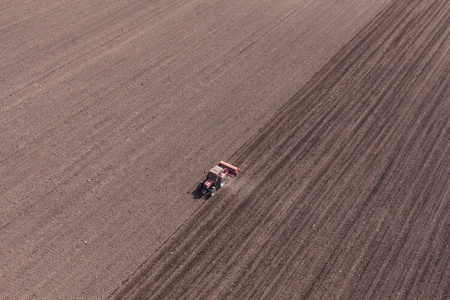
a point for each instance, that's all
(215, 173)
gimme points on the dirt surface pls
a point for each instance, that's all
(112, 111)
(346, 190)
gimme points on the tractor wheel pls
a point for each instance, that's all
(212, 191)
(223, 181)
(200, 186)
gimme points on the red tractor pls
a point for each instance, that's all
(217, 177)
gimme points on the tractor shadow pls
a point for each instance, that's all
(197, 195)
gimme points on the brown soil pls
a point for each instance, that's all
(111, 112)
(346, 190)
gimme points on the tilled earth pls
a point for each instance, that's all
(337, 113)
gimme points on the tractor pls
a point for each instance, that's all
(216, 178)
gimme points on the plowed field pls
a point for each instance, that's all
(338, 114)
